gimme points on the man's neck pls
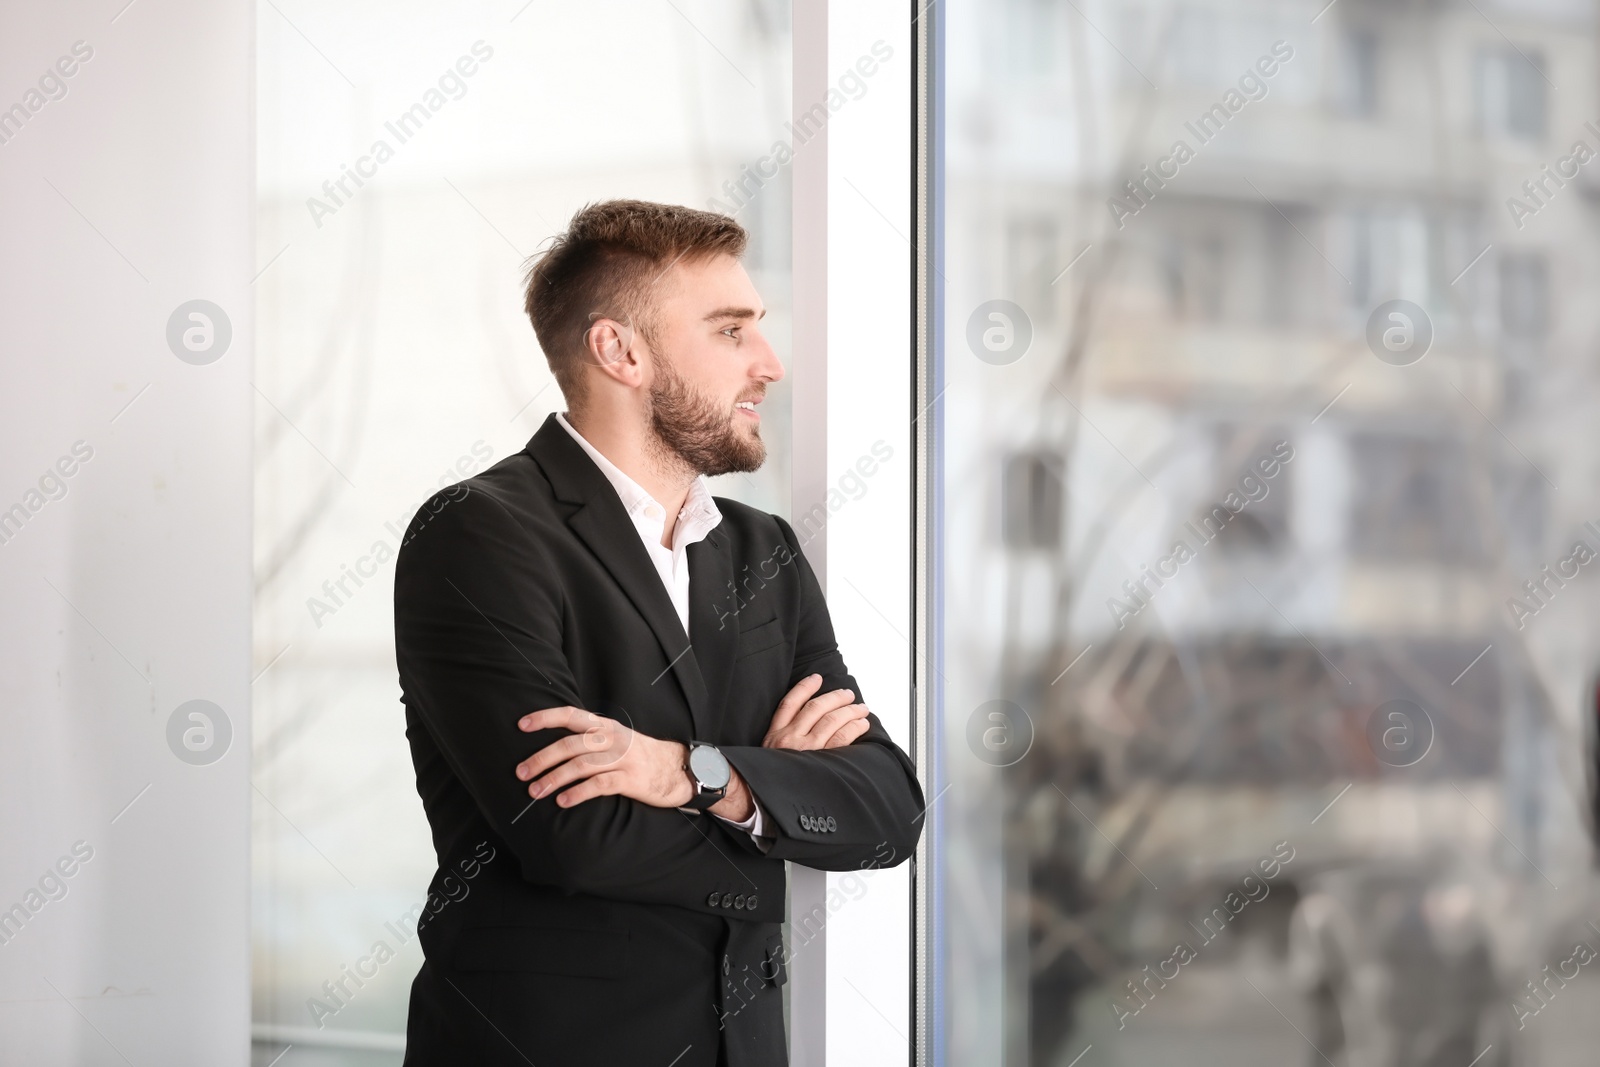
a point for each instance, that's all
(641, 458)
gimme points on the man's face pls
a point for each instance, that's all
(711, 367)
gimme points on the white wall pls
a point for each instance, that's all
(851, 1002)
(129, 595)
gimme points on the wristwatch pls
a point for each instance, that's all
(708, 770)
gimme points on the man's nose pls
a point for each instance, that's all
(769, 366)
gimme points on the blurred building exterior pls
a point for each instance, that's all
(1373, 649)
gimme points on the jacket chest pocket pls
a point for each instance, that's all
(760, 638)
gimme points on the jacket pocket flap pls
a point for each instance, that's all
(760, 637)
(776, 970)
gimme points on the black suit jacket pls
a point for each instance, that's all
(614, 933)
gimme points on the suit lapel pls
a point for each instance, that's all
(715, 633)
(603, 525)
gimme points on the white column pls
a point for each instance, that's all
(808, 971)
(851, 998)
(126, 177)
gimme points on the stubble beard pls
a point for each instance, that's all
(696, 431)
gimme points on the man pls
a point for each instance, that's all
(624, 699)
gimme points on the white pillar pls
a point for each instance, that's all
(126, 192)
(851, 997)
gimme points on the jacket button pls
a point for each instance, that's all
(738, 902)
(727, 900)
(714, 899)
(750, 902)
(805, 822)
(832, 826)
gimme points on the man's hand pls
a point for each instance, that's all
(604, 758)
(806, 722)
(607, 758)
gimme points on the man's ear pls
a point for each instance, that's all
(610, 347)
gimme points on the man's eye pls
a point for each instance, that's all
(733, 332)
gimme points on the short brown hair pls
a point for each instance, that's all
(605, 266)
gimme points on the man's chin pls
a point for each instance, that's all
(743, 453)
(745, 461)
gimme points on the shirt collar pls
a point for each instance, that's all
(699, 516)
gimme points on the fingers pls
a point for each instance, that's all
(553, 754)
(601, 785)
(806, 719)
(849, 733)
(605, 738)
(823, 730)
(575, 769)
(792, 701)
(567, 718)
(833, 720)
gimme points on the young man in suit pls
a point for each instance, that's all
(626, 693)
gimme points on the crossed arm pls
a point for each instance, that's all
(479, 643)
(602, 757)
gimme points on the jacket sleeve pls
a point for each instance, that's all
(478, 641)
(837, 809)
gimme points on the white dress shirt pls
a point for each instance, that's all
(698, 517)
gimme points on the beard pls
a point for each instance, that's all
(697, 431)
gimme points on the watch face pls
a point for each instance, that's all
(709, 767)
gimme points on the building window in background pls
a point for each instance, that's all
(1510, 91)
(1195, 276)
(1389, 255)
(1030, 500)
(1356, 91)
(1524, 295)
(1412, 500)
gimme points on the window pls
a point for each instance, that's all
(1389, 255)
(1357, 72)
(391, 334)
(1413, 500)
(1335, 675)
(1030, 501)
(1524, 295)
(1511, 86)
(1194, 275)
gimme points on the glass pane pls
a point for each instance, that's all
(1266, 713)
(394, 359)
